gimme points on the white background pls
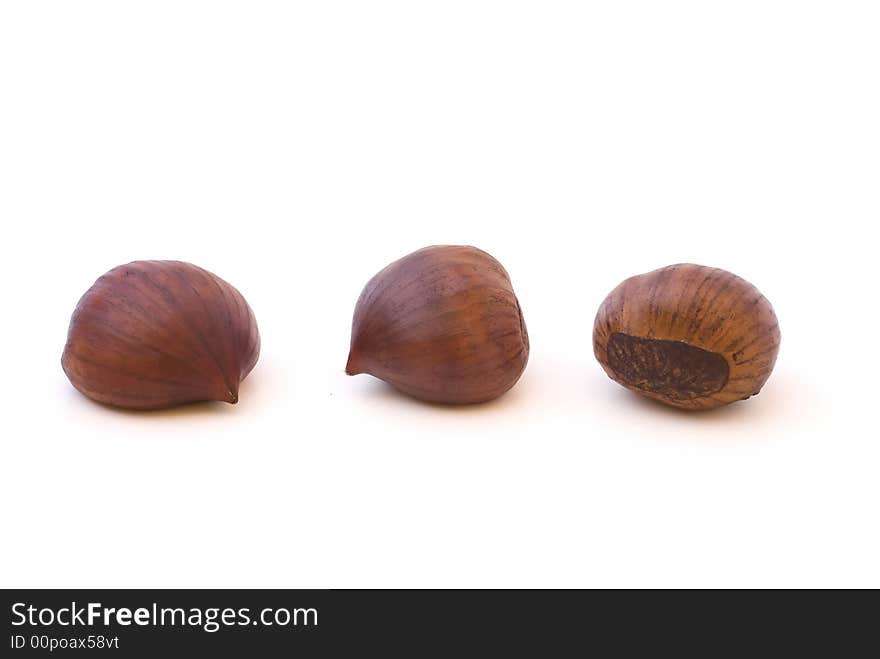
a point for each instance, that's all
(297, 148)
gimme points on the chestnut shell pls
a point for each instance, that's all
(442, 325)
(155, 334)
(687, 335)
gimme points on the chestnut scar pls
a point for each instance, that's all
(674, 369)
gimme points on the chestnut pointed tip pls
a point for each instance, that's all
(351, 367)
(229, 393)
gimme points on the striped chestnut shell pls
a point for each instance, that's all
(442, 325)
(155, 334)
(687, 335)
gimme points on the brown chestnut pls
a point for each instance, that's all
(156, 334)
(441, 324)
(687, 335)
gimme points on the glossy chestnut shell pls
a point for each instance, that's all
(687, 335)
(441, 324)
(156, 334)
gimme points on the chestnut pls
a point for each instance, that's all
(442, 325)
(155, 334)
(687, 335)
